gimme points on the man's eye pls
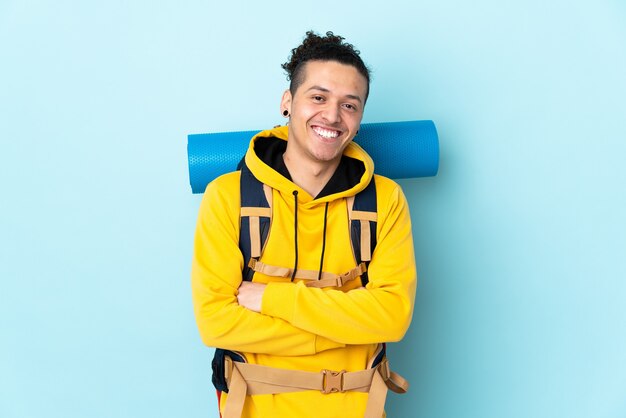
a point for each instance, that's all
(318, 98)
(349, 106)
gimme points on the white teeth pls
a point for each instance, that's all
(326, 133)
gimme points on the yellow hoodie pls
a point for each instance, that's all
(299, 327)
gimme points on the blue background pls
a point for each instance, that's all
(520, 239)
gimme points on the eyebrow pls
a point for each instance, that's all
(325, 90)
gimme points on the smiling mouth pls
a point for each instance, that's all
(326, 133)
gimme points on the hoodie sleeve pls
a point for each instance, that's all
(216, 276)
(380, 313)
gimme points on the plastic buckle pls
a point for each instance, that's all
(332, 382)
(344, 278)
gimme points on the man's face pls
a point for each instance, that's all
(326, 112)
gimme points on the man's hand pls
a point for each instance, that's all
(250, 295)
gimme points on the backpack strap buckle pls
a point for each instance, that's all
(332, 382)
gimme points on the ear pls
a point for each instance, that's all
(285, 102)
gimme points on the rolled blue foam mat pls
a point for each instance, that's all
(399, 150)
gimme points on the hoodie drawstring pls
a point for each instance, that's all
(295, 234)
(319, 275)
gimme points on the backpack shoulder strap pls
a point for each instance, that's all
(362, 214)
(255, 218)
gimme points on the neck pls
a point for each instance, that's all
(310, 177)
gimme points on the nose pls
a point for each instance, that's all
(332, 113)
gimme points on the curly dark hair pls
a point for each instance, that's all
(322, 48)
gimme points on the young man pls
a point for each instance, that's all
(303, 336)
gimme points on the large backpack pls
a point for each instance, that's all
(256, 214)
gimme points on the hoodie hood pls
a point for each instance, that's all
(353, 174)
